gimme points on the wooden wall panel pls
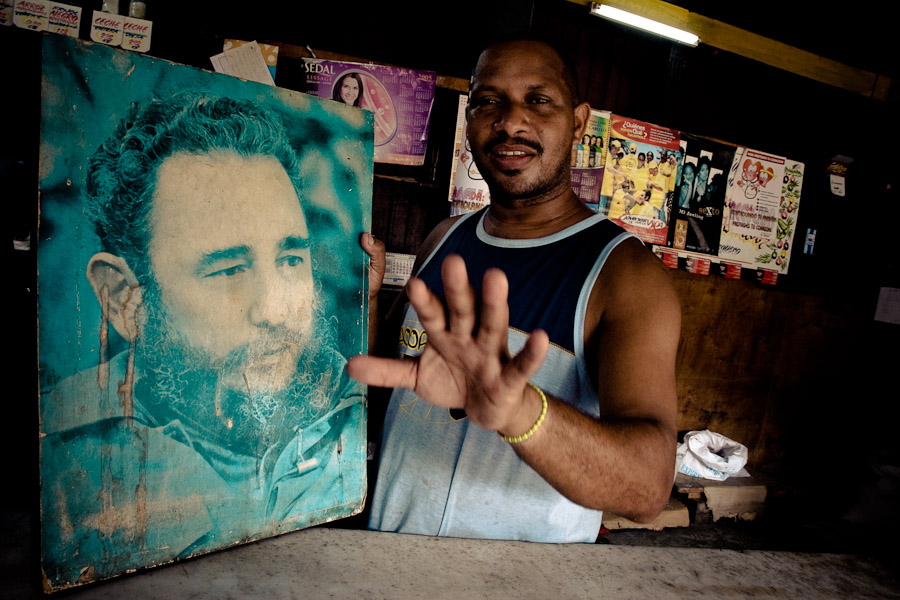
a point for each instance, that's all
(726, 354)
(785, 373)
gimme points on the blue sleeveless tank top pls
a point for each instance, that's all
(440, 475)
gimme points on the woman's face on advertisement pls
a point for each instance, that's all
(688, 172)
(349, 90)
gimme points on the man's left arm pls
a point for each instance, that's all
(623, 461)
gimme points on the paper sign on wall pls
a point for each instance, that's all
(401, 100)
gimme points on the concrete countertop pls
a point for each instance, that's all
(336, 563)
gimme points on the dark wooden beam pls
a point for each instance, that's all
(759, 48)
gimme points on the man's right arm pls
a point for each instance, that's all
(375, 249)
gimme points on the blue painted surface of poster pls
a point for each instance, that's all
(200, 285)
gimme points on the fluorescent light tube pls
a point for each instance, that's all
(667, 31)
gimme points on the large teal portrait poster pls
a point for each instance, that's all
(200, 286)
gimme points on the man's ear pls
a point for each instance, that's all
(582, 115)
(117, 291)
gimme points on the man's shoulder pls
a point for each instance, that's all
(632, 262)
(138, 471)
(81, 398)
(433, 240)
(633, 279)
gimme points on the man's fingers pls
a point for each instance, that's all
(428, 307)
(383, 372)
(527, 362)
(494, 326)
(372, 246)
(375, 249)
(459, 295)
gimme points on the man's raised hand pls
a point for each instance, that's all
(463, 366)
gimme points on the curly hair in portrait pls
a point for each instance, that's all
(121, 175)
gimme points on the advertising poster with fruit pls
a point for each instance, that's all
(700, 194)
(760, 213)
(636, 192)
(468, 189)
(400, 99)
(777, 252)
(588, 158)
(754, 194)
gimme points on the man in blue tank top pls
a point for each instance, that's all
(535, 386)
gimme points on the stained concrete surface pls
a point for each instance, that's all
(338, 563)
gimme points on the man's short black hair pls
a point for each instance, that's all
(568, 72)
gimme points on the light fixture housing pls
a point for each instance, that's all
(666, 31)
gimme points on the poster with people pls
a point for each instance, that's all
(468, 189)
(699, 196)
(200, 285)
(762, 201)
(638, 180)
(400, 99)
(589, 158)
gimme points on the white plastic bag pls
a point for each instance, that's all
(711, 456)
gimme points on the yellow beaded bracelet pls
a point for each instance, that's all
(515, 439)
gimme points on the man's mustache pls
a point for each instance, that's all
(268, 340)
(503, 138)
(275, 340)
